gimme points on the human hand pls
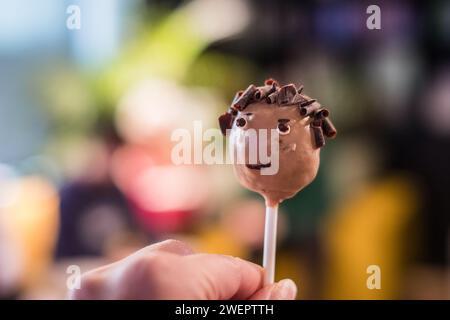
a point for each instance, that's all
(171, 270)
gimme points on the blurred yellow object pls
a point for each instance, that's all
(216, 239)
(369, 228)
(31, 223)
(292, 266)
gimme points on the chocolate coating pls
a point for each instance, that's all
(298, 156)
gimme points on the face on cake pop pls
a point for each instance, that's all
(297, 162)
(294, 134)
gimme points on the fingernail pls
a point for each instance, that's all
(284, 290)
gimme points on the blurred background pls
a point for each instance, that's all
(86, 116)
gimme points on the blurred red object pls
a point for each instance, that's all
(164, 197)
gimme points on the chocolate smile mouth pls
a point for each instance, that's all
(258, 166)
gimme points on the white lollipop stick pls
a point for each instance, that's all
(270, 244)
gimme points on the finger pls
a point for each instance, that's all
(283, 290)
(221, 277)
(169, 246)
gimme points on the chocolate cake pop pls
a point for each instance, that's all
(302, 124)
(294, 127)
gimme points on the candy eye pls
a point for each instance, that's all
(241, 122)
(284, 128)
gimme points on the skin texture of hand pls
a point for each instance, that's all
(171, 270)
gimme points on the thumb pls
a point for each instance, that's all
(282, 290)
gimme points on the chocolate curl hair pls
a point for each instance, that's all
(328, 128)
(287, 94)
(308, 107)
(245, 98)
(225, 122)
(321, 113)
(280, 96)
(316, 129)
(272, 98)
(264, 92)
